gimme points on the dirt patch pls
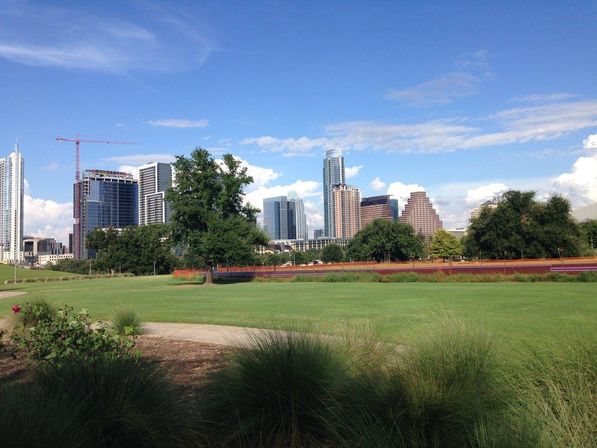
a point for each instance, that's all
(187, 362)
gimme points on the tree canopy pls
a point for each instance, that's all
(445, 245)
(384, 240)
(134, 249)
(522, 227)
(332, 253)
(209, 217)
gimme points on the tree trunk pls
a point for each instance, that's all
(209, 276)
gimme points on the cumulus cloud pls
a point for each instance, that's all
(180, 123)
(402, 192)
(261, 176)
(590, 142)
(352, 171)
(377, 184)
(484, 192)
(47, 218)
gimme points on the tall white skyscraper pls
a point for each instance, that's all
(333, 174)
(11, 207)
(154, 179)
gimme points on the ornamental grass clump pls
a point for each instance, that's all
(445, 390)
(276, 392)
(112, 403)
(127, 323)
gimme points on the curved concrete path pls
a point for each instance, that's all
(211, 334)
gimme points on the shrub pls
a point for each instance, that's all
(114, 403)
(275, 393)
(67, 335)
(127, 323)
(35, 311)
(590, 276)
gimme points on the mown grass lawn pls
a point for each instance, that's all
(7, 273)
(514, 312)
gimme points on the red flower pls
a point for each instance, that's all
(16, 308)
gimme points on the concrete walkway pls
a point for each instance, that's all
(211, 334)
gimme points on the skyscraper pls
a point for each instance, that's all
(420, 214)
(347, 211)
(275, 217)
(108, 199)
(298, 217)
(333, 174)
(11, 206)
(154, 179)
(376, 207)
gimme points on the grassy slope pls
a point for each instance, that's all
(514, 311)
(7, 273)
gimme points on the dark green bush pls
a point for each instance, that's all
(35, 311)
(275, 394)
(127, 323)
(113, 403)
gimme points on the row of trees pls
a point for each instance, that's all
(213, 226)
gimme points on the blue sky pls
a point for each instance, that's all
(463, 99)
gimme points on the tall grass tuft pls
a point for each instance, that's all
(445, 390)
(113, 403)
(277, 392)
(127, 323)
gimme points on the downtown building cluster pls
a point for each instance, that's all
(345, 211)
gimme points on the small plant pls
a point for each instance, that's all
(33, 312)
(127, 323)
(68, 335)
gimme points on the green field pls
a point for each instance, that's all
(7, 272)
(514, 312)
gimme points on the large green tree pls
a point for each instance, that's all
(332, 253)
(520, 226)
(384, 240)
(209, 217)
(589, 236)
(139, 250)
(445, 246)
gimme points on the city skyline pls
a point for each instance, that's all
(463, 105)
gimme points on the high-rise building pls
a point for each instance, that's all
(490, 204)
(420, 214)
(275, 217)
(154, 179)
(11, 207)
(318, 233)
(108, 199)
(284, 217)
(376, 207)
(394, 209)
(347, 210)
(333, 174)
(298, 218)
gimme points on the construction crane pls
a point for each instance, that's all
(77, 207)
(78, 141)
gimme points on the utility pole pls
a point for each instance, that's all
(154, 268)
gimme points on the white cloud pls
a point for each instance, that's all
(518, 125)
(441, 90)
(314, 212)
(590, 142)
(304, 188)
(377, 184)
(261, 176)
(141, 159)
(131, 169)
(302, 146)
(47, 218)
(180, 123)
(402, 192)
(71, 38)
(580, 184)
(352, 171)
(544, 98)
(483, 193)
